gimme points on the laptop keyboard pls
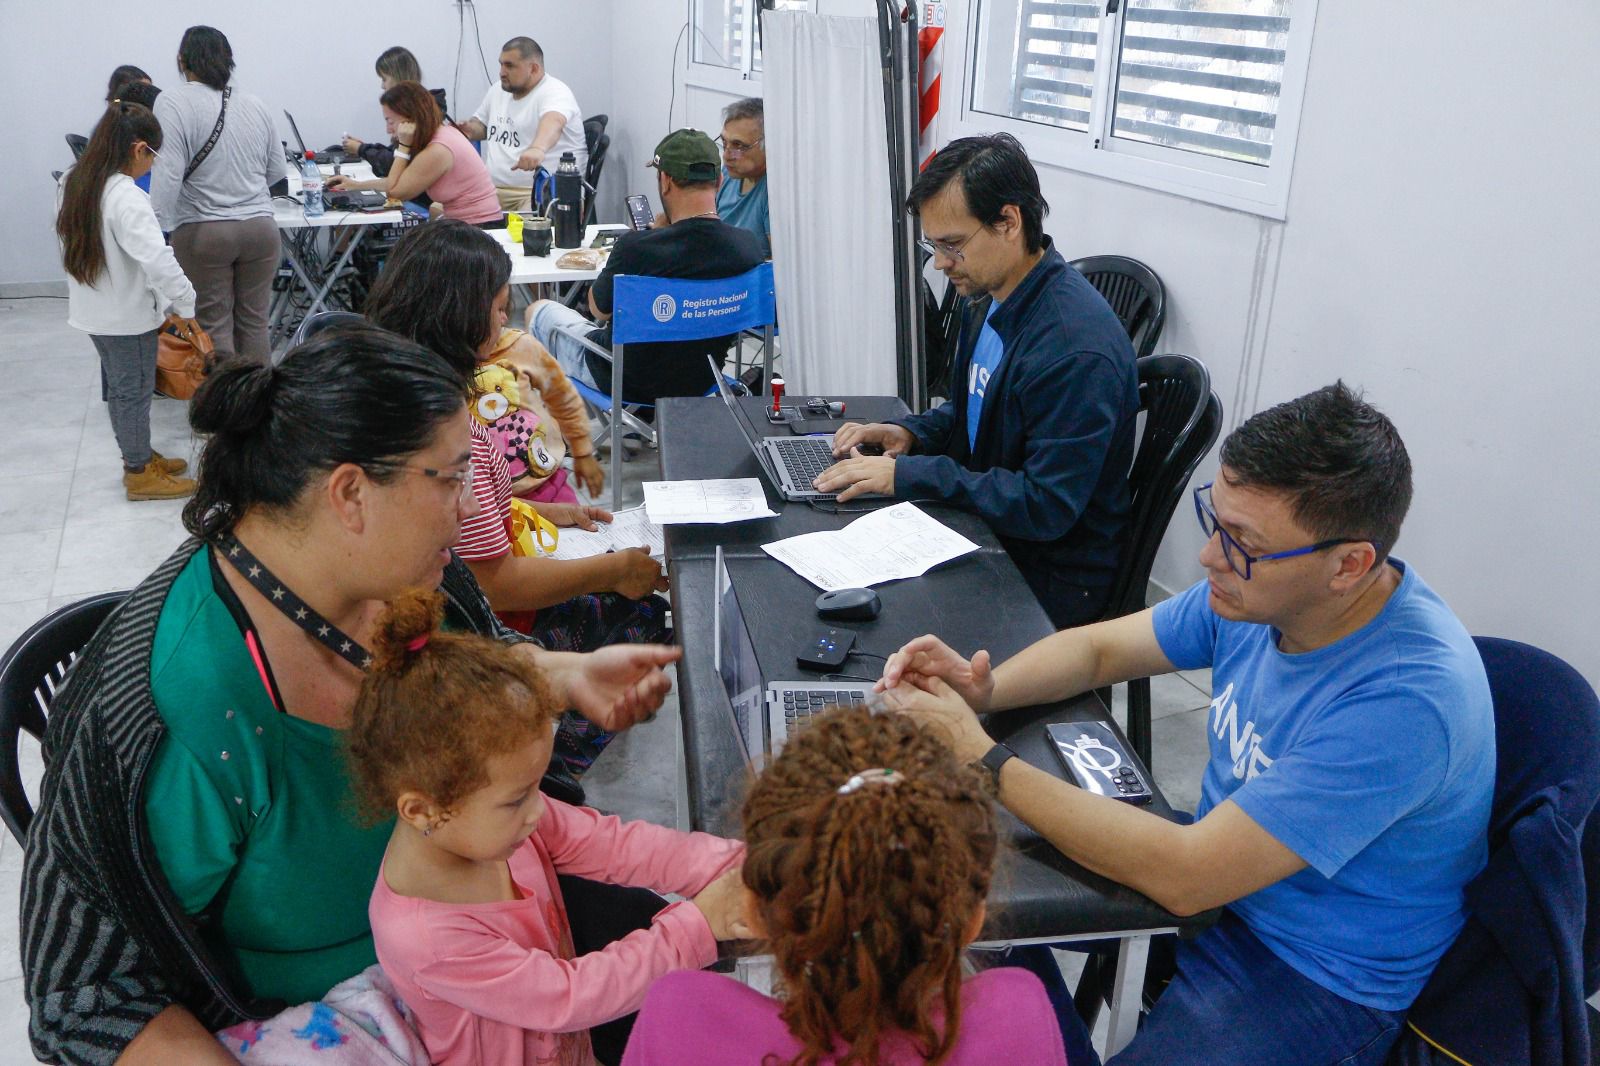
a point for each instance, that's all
(801, 705)
(804, 457)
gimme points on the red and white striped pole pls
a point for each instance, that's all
(930, 52)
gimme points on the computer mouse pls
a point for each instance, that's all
(849, 604)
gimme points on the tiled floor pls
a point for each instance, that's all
(67, 532)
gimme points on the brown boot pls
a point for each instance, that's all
(153, 483)
(168, 466)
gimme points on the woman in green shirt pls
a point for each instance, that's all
(196, 860)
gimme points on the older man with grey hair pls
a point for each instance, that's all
(742, 199)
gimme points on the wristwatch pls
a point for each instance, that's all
(991, 762)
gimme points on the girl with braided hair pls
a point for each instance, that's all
(869, 856)
(452, 732)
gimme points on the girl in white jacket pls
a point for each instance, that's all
(122, 283)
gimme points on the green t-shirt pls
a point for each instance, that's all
(250, 810)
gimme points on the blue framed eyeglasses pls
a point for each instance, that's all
(1241, 561)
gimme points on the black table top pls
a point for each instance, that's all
(976, 601)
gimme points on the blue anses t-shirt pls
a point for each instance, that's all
(1373, 760)
(747, 210)
(986, 356)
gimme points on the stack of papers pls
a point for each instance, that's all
(627, 529)
(896, 542)
(715, 501)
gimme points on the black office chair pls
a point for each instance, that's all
(1480, 1002)
(942, 326)
(1183, 418)
(31, 672)
(311, 325)
(1134, 292)
(599, 143)
(77, 142)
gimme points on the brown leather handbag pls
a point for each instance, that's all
(182, 361)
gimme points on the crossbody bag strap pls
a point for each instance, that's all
(211, 142)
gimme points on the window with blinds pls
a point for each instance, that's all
(1054, 74)
(1201, 76)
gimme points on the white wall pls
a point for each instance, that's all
(1439, 252)
(314, 58)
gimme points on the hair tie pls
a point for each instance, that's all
(417, 643)
(871, 777)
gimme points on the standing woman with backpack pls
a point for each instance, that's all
(210, 192)
(122, 281)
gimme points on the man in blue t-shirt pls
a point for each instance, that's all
(1038, 433)
(1346, 801)
(742, 197)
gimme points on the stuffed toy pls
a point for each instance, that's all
(520, 427)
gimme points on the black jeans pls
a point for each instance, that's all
(600, 914)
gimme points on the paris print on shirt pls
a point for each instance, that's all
(503, 133)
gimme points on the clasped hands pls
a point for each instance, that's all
(929, 681)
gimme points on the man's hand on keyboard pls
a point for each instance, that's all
(858, 475)
(855, 438)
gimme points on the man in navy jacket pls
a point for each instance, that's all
(1038, 434)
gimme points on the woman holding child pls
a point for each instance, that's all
(196, 859)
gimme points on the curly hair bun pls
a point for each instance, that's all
(404, 628)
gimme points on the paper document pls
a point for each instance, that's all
(627, 529)
(896, 542)
(716, 501)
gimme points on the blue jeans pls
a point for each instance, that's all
(1233, 1000)
(573, 357)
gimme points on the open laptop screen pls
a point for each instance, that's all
(301, 141)
(733, 407)
(738, 666)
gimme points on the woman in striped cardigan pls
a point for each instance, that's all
(194, 862)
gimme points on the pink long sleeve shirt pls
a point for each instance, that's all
(498, 982)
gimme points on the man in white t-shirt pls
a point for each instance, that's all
(526, 122)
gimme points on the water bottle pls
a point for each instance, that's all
(311, 186)
(566, 225)
(567, 212)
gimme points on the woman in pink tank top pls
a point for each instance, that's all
(430, 157)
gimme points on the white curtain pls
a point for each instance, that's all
(828, 182)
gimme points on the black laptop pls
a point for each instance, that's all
(323, 158)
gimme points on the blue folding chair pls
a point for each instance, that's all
(646, 310)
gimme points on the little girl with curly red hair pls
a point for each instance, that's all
(451, 734)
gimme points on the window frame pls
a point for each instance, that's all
(737, 80)
(1227, 183)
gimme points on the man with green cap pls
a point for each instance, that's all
(691, 242)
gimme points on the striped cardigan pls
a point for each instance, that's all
(105, 944)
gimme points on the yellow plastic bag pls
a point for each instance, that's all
(514, 227)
